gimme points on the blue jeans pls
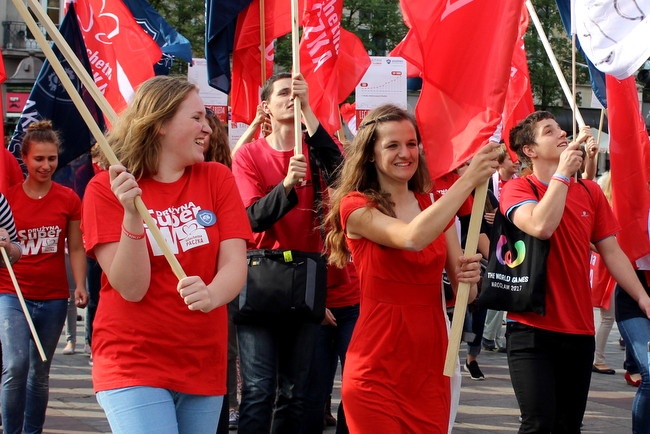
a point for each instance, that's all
(331, 346)
(274, 357)
(636, 333)
(550, 373)
(150, 410)
(25, 377)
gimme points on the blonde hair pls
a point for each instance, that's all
(359, 173)
(135, 136)
(605, 182)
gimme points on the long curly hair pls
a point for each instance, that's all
(135, 136)
(359, 173)
(218, 147)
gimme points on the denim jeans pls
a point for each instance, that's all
(274, 357)
(25, 377)
(636, 333)
(151, 410)
(550, 373)
(331, 346)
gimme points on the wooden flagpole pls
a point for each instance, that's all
(600, 127)
(554, 63)
(21, 299)
(83, 110)
(295, 48)
(263, 41)
(573, 83)
(462, 294)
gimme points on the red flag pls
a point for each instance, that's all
(121, 53)
(3, 77)
(408, 49)
(327, 60)
(519, 98)
(629, 154)
(465, 71)
(10, 172)
(246, 57)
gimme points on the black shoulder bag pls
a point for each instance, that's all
(515, 278)
(284, 285)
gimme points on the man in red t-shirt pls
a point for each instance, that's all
(278, 192)
(550, 356)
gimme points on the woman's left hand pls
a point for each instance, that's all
(195, 293)
(469, 268)
(5, 241)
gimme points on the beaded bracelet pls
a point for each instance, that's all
(563, 179)
(131, 234)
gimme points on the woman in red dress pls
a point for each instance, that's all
(382, 214)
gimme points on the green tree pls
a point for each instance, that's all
(183, 16)
(546, 87)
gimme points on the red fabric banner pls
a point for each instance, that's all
(629, 156)
(519, 98)
(121, 53)
(247, 57)
(3, 77)
(332, 60)
(465, 71)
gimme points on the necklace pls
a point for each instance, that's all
(33, 194)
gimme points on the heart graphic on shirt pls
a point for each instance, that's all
(190, 228)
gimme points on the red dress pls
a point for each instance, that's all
(393, 380)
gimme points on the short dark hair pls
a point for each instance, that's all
(524, 134)
(267, 89)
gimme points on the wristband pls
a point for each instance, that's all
(132, 235)
(563, 179)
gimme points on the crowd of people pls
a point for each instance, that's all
(168, 353)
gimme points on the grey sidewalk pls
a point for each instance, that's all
(485, 406)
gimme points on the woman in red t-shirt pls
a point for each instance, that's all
(159, 343)
(47, 215)
(382, 214)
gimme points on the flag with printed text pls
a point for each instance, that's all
(332, 60)
(122, 55)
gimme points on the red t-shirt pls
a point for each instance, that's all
(42, 226)
(11, 174)
(159, 342)
(587, 218)
(258, 169)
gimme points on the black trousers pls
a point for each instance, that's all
(550, 373)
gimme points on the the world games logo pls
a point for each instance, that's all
(507, 259)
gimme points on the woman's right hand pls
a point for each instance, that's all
(125, 187)
(483, 165)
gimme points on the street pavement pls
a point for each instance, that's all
(487, 406)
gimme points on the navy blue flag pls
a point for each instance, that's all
(596, 77)
(49, 100)
(221, 19)
(172, 43)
